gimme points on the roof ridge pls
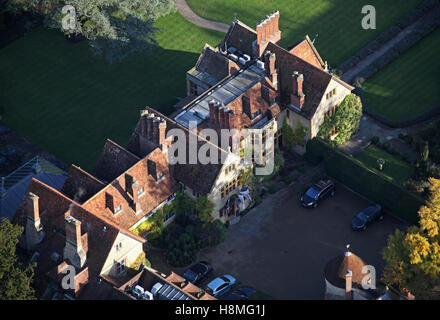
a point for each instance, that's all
(88, 174)
(102, 218)
(120, 147)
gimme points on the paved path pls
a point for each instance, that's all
(189, 15)
(351, 74)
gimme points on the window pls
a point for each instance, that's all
(256, 114)
(160, 177)
(119, 246)
(230, 187)
(331, 94)
(120, 267)
(140, 192)
(118, 209)
(230, 168)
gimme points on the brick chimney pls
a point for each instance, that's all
(267, 30)
(34, 229)
(269, 64)
(297, 97)
(348, 285)
(162, 134)
(213, 106)
(73, 251)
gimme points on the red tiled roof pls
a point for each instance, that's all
(241, 37)
(113, 161)
(154, 192)
(216, 64)
(80, 185)
(54, 206)
(307, 51)
(198, 177)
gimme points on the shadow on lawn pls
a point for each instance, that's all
(72, 116)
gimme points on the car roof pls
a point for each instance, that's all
(198, 267)
(217, 282)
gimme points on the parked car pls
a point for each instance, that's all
(365, 217)
(220, 285)
(317, 192)
(242, 293)
(197, 272)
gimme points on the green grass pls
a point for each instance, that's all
(338, 22)
(394, 169)
(61, 97)
(409, 86)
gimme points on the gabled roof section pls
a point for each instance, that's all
(155, 192)
(240, 36)
(81, 185)
(198, 177)
(212, 66)
(315, 83)
(113, 161)
(306, 50)
(54, 206)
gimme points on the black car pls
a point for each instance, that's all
(197, 272)
(317, 192)
(365, 217)
(241, 293)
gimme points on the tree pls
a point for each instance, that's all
(299, 136)
(204, 209)
(115, 28)
(15, 278)
(288, 138)
(183, 204)
(413, 258)
(345, 121)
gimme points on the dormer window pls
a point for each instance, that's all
(118, 209)
(256, 114)
(160, 177)
(141, 192)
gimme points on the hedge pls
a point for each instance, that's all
(364, 181)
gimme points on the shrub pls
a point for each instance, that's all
(375, 140)
(386, 145)
(346, 120)
(395, 151)
(368, 183)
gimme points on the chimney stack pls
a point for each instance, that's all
(297, 97)
(269, 63)
(34, 230)
(73, 251)
(162, 133)
(348, 285)
(213, 110)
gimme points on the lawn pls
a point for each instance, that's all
(337, 22)
(394, 169)
(61, 97)
(409, 86)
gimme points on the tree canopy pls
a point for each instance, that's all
(345, 121)
(15, 278)
(115, 28)
(204, 209)
(413, 258)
